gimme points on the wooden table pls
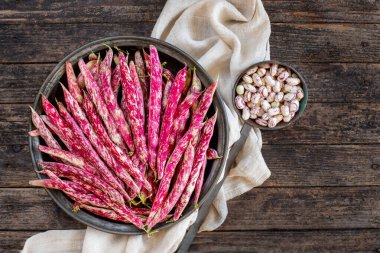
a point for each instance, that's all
(324, 193)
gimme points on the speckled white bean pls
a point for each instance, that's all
(240, 89)
(265, 105)
(261, 112)
(263, 91)
(283, 76)
(261, 122)
(279, 96)
(257, 80)
(265, 116)
(249, 87)
(251, 70)
(252, 116)
(247, 96)
(275, 104)
(277, 87)
(273, 69)
(280, 70)
(269, 80)
(289, 97)
(285, 110)
(272, 122)
(247, 79)
(294, 105)
(239, 102)
(245, 113)
(255, 98)
(271, 96)
(290, 88)
(287, 118)
(274, 111)
(255, 110)
(300, 94)
(269, 88)
(261, 72)
(293, 81)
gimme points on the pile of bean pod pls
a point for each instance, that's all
(129, 143)
(269, 94)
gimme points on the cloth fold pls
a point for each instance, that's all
(225, 37)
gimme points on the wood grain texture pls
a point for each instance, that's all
(363, 240)
(328, 82)
(366, 11)
(259, 209)
(289, 42)
(291, 165)
(289, 241)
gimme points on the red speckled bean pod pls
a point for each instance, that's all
(144, 81)
(138, 92)
(167, 74)
(69, 157)
(177, 189)
(89, 152)
(103, 212)
(86, 177)
(120, 156)
(58, 132)
(101, 149)
(187, 84)
(90, 66)
(88, 199)
(134, 107)
(97, 98)
(195, 126)
(199, 158)
(154, 106)
(166, 93)
(167, 122)
(112, 105)
(34, 133)
(73, 83)
(44, 131)
(199, 183)
(212, 154)
(140, 210)
(115, 80)
(50, 184)
(147, 61)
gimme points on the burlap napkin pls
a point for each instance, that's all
(226, 37)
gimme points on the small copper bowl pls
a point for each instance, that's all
(282, 124)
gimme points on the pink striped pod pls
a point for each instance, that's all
(112, 105)
(165, 94)
(58, 132)
(187, 84)
(212, 154)
(101, 150)
(88, 199)
(90, 152)
(50, 184)
(154, 106)
(147, 61)
(115, 80)
(73, 83)
(199, 183)
(167, 74)
(96, 97)
(69, 157)
(66, 170)
(177, 188)
(143, 77)
(34, 133)
(90, 65)
(167, 122)
(43, 130)
(199, 159)
(138, 92)
(105, 213)
(196, 125)
(196, 86)
(117, 152)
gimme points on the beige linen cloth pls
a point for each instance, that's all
(225, 37)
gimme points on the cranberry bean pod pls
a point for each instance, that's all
(73, 83)
(50, 184)
(155, 96)
(144, 81)
(115, 80)
(212, 154)
(199, 158)
(167, 122)
(58, 132)
(199, 183)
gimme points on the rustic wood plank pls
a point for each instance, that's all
(289, 241)
(305, 208)
(286, 11)
(321, 123)
(289, 42)
(138, 11)
(259, 209)
(32, 209)
(291, 165)
(253, 241)
(89, 11)
(330, 82)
